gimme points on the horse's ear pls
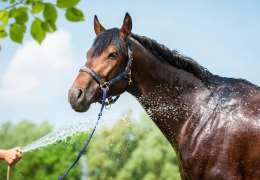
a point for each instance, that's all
(126, 27)
(97, 26)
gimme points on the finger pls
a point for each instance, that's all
(19, 154)
(10, 162)
(18, 149)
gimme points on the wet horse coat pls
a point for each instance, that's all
(212, 122)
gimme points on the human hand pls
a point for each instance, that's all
(12, 156)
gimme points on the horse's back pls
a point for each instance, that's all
(226, 145)
(239, 132)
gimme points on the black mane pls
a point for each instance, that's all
(174, 58)
(163, 53)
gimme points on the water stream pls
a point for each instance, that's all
(83, 168)
(58, 135)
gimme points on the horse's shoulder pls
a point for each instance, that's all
(251, 106)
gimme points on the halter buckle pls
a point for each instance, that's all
(104, 85)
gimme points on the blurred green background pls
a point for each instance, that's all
(130, 150)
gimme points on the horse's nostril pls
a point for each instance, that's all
(80, 96)
(80, 93)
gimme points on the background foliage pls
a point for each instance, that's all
(128, 150)
(40, 16)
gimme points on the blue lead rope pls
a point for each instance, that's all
(84, 148)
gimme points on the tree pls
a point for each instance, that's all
(132, 151)
(42, 164)
(18, 135)
(14, 18)
(22, 133)
(50, 162)
(127, 151)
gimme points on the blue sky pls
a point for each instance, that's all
(221, 35)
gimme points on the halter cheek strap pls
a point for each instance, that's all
(105, 85)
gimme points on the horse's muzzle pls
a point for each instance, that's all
(79, 100)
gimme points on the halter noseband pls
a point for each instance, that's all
(105, 85)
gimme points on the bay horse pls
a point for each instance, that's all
(212, 122)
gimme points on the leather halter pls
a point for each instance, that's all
(105, 85)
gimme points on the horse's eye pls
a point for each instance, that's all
(112, 55)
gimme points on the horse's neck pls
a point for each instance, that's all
(169, 95)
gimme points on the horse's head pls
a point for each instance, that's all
(107, 58)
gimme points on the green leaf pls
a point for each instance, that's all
(12, 1)
(37, 31)
(74, 15)
(50, 12)
(16, 11)
(67, 3)
(21, 15)
(37, 7)
(49, 26)
(12, 12)
(30, 1)
(4, 16)
(3, 33)
(17, 32)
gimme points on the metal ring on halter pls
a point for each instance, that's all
(104, 85)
